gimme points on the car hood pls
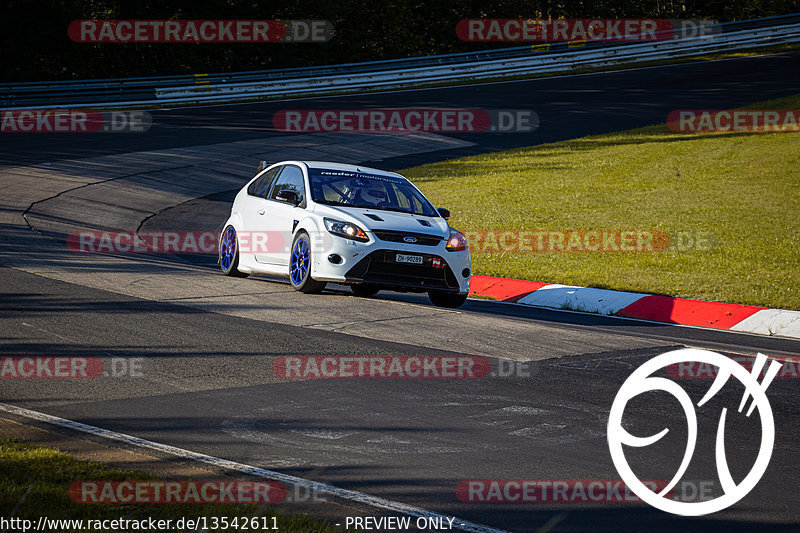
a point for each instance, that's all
(389, 220)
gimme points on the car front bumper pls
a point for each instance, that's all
(376, 262)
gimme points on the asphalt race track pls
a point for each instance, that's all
(205, 344)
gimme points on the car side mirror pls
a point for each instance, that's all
(444, 212)
(262, 165)
(288, 196)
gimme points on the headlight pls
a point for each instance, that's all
(346, 230)
(457, 242)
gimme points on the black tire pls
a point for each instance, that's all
(303, 281)
(233, 265)
(365, 290)
(447, 299)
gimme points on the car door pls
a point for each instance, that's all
(253, 208)
(282, 217)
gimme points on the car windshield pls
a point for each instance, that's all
(374, 191)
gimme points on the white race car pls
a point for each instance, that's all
(317, 222)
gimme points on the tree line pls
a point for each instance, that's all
(35, 46)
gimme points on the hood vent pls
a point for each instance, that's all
(373, 217)
(424, 223)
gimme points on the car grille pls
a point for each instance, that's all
(382, 268)
(423, 239)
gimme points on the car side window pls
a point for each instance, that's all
(403, 200)
(260, 187)
(290, 179)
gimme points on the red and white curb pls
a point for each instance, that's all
(717, 315)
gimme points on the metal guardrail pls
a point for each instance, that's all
(494, 69)
(395, 73)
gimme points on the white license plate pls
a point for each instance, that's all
(413, 259)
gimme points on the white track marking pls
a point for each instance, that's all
(345, 494)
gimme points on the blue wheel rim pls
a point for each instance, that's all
(227, 249)
(299, 262)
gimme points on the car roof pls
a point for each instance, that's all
(343, 166)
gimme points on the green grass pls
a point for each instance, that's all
(43, 476)
(742, 187)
